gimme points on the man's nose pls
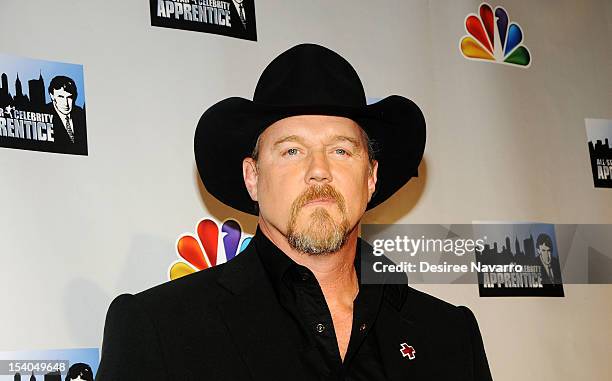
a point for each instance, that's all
(318, 168)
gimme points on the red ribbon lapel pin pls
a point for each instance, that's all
(407, 351)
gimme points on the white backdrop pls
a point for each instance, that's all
(504, 143)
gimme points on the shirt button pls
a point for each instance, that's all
(305, 276)
(320, 328)
(363, 327)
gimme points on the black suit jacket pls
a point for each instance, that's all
(551, 287)
(554, 264)
(225, 323)
(238, 30)
(61, 141)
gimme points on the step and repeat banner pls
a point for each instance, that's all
(511, 213)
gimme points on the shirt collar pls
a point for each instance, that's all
(275, 262)
(281, 270)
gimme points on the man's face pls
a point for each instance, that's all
(545, 254)
(62, 100)
(312, 180)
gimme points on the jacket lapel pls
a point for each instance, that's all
(264, 335)
(395, 329)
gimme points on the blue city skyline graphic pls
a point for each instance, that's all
(508, 235)
(32, 69)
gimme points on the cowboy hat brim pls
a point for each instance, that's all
(227, 133)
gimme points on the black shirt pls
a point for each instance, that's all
(300, 295)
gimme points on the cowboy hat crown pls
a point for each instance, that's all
(307, 79)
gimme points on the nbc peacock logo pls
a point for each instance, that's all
(493, 38)
(201, 250)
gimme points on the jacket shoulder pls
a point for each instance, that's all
(428, 304)
(201, 288)
(175, 297)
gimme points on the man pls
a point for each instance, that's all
(69, 130)
(543, 248)
(550, 266)
(292, 306)
(79, 372)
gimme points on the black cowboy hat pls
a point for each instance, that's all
(307, 79)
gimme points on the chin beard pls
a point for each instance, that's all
(321, 234)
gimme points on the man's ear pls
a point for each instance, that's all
(372, 179)
(249, 174)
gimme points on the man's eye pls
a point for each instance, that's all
(341, 151)
(292, 151)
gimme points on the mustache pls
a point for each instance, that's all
(317, 192)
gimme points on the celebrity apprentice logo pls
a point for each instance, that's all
(204, 11)
(42, 106)
(200, 251)
(233, 18)
(493, 38)
(15, 123)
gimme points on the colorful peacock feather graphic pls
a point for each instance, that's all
(493, 38)
(200, 250)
